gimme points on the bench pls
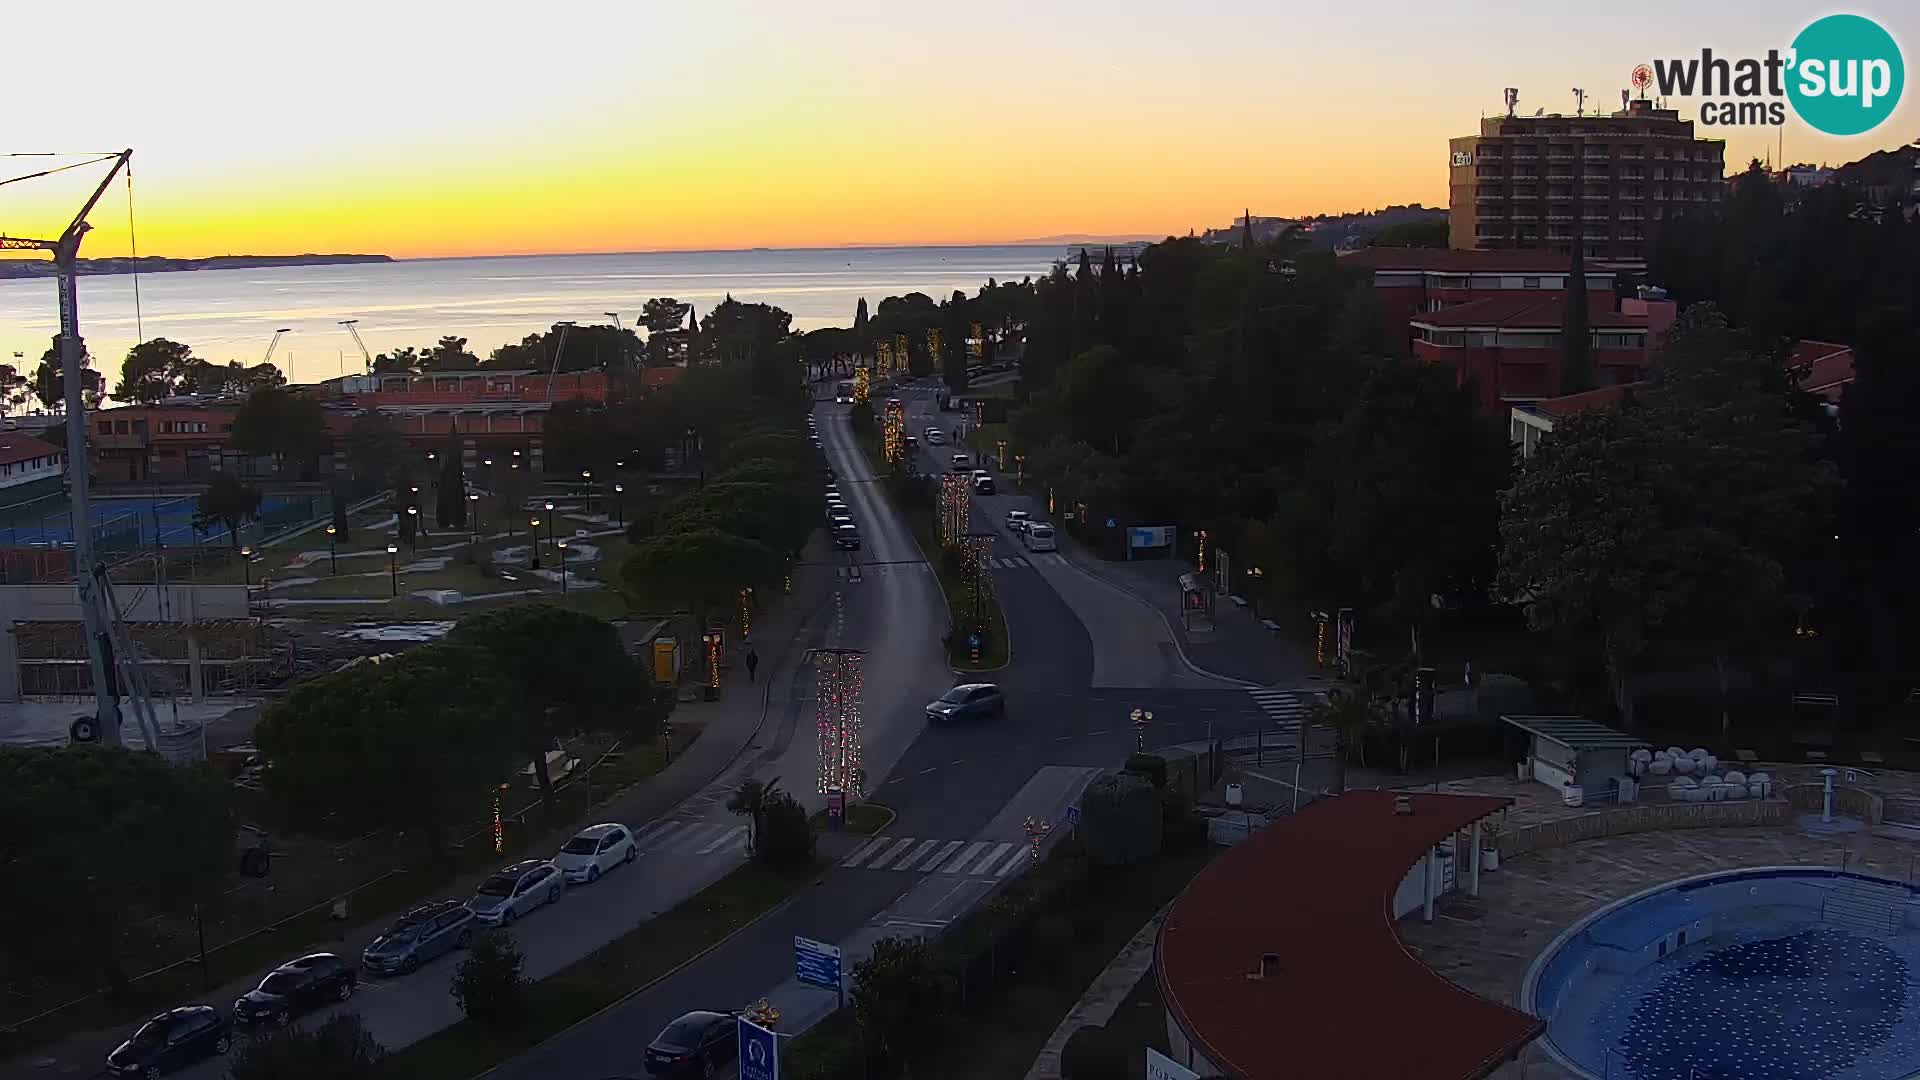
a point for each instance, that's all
(1816, 755)
(1873, 757)
(1272, 627)
(1238, 601)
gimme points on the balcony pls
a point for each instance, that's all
(1485, 200)
(1491, 215)
(1525, 215)
(1559, 155)
(1559, 176)
(1594, 196)
(1526, 176)
(1559, 217)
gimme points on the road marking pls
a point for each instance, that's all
(737, 834)
(859, 854)
(991, 858)
(973, 852)
(653, 837)
(917, 854)
(1019, 856)
(934, 860)
(891, 853)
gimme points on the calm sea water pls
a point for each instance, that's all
(232, 314)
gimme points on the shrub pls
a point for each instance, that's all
(786, 840)
(900, 995)
(339, 1049)
(490, 984)
(1151, 766)
(1121, 819)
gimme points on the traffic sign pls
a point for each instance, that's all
(1159, 1067)
(816, 963)
(1073, 816)
(759, 1051)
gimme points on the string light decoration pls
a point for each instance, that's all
(746, 613)
(1036, 831)
(1200, 555)
(977, 346)
(885, 349)
(499, 829)
(935, 342)
(902, 351)
(713, 660)
(955, 509)
(1001, 446)
(895, 432)
(1320, 639)
(861, 389)
(977, 548)
(838, 686)
(1020, 470)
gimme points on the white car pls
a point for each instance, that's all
(515, 890)
(934, 436)
(960, 463)
(1017, 521)
(594, 851)
(1038, 536)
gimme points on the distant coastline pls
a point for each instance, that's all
(159, 264)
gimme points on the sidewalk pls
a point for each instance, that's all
(1236, 646)
(729, 726)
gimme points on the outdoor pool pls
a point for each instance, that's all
(1781, 973)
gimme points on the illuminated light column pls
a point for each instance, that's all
(902, 352)
(1036, 831)
(896, 429)
(837, 695)
(860, 385)
(746, 613)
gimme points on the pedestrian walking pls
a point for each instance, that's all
(753, 663)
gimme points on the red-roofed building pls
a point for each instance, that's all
(28, 466)
(1822, 368)
(1267, 958)
(1510, 345)
(1409, 282)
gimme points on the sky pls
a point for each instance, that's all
(422, 129)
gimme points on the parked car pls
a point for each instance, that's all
(594, 851)
(912, 442)
(295, 987)
(170, 1041)
(419, 936)
(837, 518)
(697, 1044)
(1038, 536)
(960, 463)
(515, 891)
(934, 436)
(1017, 521)
(982, 482)
(846, 537)
(968, 701)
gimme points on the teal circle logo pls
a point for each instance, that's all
(1847, 75)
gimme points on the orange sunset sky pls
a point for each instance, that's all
(423, 130)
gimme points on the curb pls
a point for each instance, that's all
(1173, 632)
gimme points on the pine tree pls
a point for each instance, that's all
(693, 334)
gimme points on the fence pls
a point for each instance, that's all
(1650, 817)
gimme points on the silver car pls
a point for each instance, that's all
(515, 891)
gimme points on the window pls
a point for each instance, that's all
(1530, 283)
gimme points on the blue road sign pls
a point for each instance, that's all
(759, 1051)
(973, 640)
(816, 963)
(1073, 816)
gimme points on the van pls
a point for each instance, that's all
(1039, 538)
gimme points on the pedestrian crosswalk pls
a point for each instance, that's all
(968, 858)
(691, 838)
(1287, 708)
(1010, 562)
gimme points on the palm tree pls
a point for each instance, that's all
(1349, 712)
(751, 800)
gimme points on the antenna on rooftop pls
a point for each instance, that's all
(1513, 100)
(1579, 102)
(1623, 99)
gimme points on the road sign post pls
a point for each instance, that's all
(759, 1051)
(816, 963)
(1159, 1067)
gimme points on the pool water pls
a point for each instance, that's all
(1765, 987)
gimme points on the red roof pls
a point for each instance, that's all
(1821, 365)
(1317, 890)
(16, 447)
(654, 378)
(1569, 404)
(1450, 260)
(1521, 311)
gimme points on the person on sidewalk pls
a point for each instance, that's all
(753, 663)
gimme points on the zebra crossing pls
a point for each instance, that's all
(691, 838)
(967, 858)
(1288, 709)
(1009, 562)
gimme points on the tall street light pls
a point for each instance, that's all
(561, 558)
(1141, 718)
(586, 484)
(620, 505)
(533, 532)
(246, 565)
(550, 519)
(393, 567)
(413, 534)
(473, 513)
(1257, 575)
(333, 550)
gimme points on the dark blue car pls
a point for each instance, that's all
(968, 701)
(171, 1041)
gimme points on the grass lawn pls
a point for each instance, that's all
(622, 966)
(863, 819)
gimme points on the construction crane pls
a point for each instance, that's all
(89, 576)
(271, 345)
(364, 354)
(559, 348)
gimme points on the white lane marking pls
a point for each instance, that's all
(940, 856)
(991, 858)
(859, 854)
(972, 852)
(662, 836)
(917, 854)
(1020, 855)
(738, 832)
(880, 861)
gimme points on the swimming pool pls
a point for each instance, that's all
(1776, 973)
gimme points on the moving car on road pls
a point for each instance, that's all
(419, 936)
(295, 987)
(697, 1044)
(982, 482)
(1017, 521)
(843, 392)
(172, 1040)
(594, 851)
(968, 701)
(1038, 536)
(960, 463)
(934, 436)
(846, 537)
(516, 890)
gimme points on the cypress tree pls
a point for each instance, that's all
(1576, 359)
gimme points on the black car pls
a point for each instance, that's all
(295, 987)
(697, 1044)
(846, 537)
(968, 701)
(419, 936)
(171, 1041)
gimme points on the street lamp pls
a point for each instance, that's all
(333, 551)
(550, 519)
(586, 483)
(1141, 718)
(562, 559)
(473, 513)
(393, 567)
(1256, 574)
(246, 565)
(413, 535)
(533, 531)
(620, 505)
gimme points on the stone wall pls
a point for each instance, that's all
(1651, 817)
(1850, 801)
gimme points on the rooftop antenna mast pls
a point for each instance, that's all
(364, 354)
(94, 615)
(1579, 102)
(1513, 100)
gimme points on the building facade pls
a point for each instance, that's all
(1411, 282)
(29, 466)
(1511, 348)
(1535, 182)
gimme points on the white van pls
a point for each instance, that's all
(1039, 537)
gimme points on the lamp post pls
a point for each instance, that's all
(1141, 718)
(473, 514)
(1256, 574)
(620, 505)
(533, 531)
(1001, 447)
(1037, 831)
(550, 520)
(561, 557)
(333, 551)
(413, 534)
(586, 485)
(246, 565)
(393, 567)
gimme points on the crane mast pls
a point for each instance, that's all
(364, 354)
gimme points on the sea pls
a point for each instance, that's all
(234, 314)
